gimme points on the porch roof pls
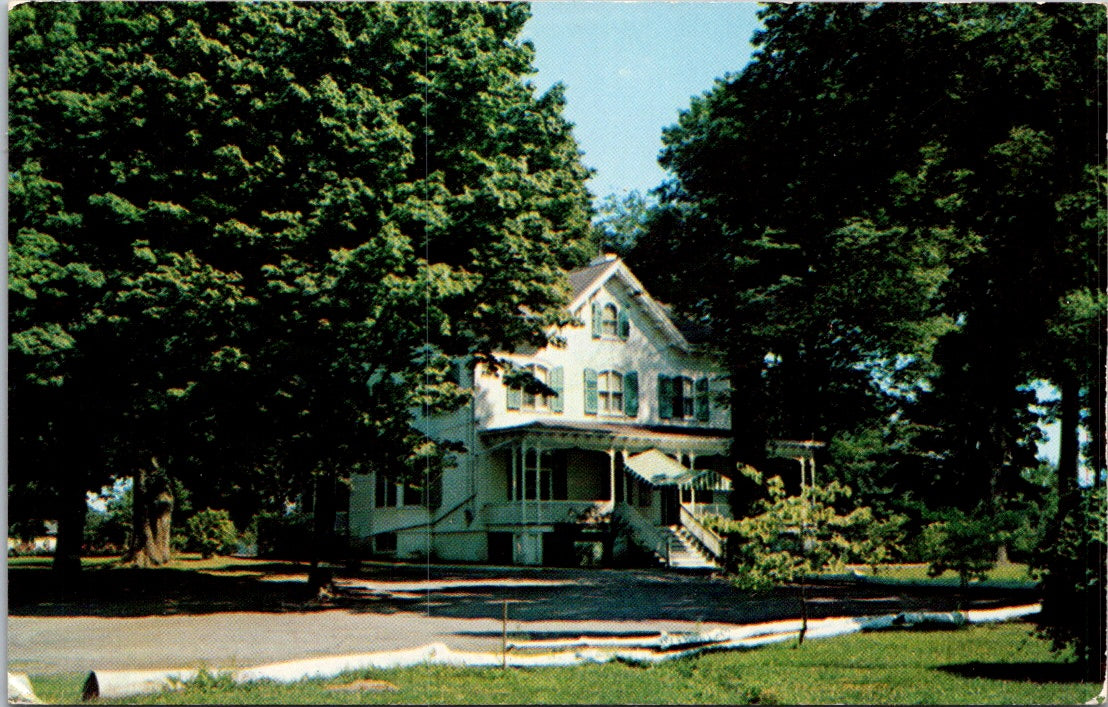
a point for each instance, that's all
(700, 440)
(656, 468)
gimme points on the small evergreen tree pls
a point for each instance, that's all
(962, 542)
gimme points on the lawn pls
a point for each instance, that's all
(997, 664)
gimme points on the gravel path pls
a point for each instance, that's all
(400, 608)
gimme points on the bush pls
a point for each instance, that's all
(964, 543)
(211, 532)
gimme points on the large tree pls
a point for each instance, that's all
(228, 218)
(891, 219)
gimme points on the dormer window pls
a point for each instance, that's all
(610, 322)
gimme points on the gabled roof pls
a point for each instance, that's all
(585, 282)
(595, 273)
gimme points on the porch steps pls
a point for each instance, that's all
(685, 552)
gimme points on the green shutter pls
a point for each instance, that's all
(665, 397)
(515, 398)
(631, 394)
(702, 403)
(624, 325)
(557, 382)
(596, 320)
(590, 392)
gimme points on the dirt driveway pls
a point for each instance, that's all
(386, 607)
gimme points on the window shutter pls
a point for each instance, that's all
(515, 398)
(665, 397)
(702, 401)
(623, 325)
(596, 320)
(557, 382)
(631, 394)
(590, 392)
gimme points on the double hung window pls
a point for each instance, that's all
(611, 393)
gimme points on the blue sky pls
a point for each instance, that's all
(629, 68)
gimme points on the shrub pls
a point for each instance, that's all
(211, 532)
(964, 543)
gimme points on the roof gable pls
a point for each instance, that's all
(587, 281)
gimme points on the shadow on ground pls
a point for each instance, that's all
(532, 594)
(1017, 672)
(129, 591)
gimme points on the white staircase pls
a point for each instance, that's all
(685, 552)
(685, 546)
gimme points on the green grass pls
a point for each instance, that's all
(997, 664)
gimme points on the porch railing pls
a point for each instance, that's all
(540, 512)
(711, 542)
(712, 509)
(644, 532)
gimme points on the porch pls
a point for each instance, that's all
(640, 482)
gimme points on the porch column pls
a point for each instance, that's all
(538, 483)
(612, 477)
(812, 469)
(523, 482)
(513, 492)
(692, 484)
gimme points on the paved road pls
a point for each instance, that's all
(405, 608)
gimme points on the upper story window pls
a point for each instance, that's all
(609, 388)
(610, 322)
(520, 397)
(611, 393)
(394, 493)
(682, 398)
(537, 401)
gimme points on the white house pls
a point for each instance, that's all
(625, 456)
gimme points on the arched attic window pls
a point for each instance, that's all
(610, 322)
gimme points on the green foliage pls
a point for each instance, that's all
(795, 536)
(621, 220)
(218, 235)
(1073, 561)
(910, 174)
(211, 532)
(964, 543)
(282, 535)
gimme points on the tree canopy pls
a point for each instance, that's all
(228, 219)
(894, 220)
(894, 217)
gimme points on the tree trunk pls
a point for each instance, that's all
(71, 525)
(323, 532)
(1070, 442)
(153, 516)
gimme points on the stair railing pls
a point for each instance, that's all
(645, 533)
(709, 540)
